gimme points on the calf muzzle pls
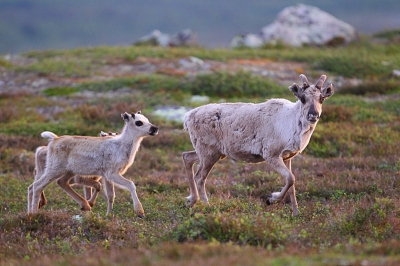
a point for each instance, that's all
(153, 131)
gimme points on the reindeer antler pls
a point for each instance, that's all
(320, 82)
(305, 81)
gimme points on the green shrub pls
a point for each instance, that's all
(374, 87)
(388, 34)
(60, 91)
(65, 67)
(240, 84)
(353, 66)
(336, 113)
(257, 230)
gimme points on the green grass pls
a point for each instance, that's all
(361, 59)
(347, 179)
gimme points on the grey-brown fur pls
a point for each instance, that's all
(274, 131)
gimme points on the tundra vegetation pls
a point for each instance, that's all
(347, 179)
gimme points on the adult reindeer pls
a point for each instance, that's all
(274, 131)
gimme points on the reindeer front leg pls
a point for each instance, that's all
(280, 167)
(292, 191)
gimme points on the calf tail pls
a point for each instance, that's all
(49, 135)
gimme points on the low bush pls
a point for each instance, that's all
(257, 230)
(373, 88)
(240, 84)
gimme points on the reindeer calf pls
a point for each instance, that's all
(108, 157)
(87, 182)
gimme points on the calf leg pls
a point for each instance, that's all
(129, 185)
(63, 182)
(42, 200)
(88, 193)
(110, 194)
(36, 189)
(189, 159)
(89, 183)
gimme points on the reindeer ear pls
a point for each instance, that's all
(327, 91)
(133, 115)
(125, 116)
(139, 112)
(297, 91)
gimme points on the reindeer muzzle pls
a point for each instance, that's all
(312, 115)
(153, 131)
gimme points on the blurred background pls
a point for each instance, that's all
(56, 24)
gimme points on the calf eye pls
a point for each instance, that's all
(303, 100)
(139, 123)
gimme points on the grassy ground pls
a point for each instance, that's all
(347, 178)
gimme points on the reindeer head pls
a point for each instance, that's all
(140, 124)
(312, 97)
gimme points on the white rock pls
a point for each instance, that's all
(172, 113)
(396, 73)
(303, 24)
(247, 40)
(200, 99)
(155, 37)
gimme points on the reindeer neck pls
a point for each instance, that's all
(130, 141)
(305, 128)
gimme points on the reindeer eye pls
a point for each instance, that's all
(139, 123)
(321, 100)
(303, 100)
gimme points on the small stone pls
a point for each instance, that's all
(396, 73)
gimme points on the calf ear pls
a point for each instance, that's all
(125, 116)
(327, 91)
(297, 91)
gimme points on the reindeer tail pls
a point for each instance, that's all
(49, 135)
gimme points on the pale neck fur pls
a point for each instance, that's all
(130, 141)
(306, 128)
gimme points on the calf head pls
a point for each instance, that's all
(140, 124)
(312, 97)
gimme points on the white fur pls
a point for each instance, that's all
(274, 131)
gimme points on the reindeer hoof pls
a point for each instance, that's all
(190, 202)
(268, 201)
(86, 209)
(42, 204)
(139, 212)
